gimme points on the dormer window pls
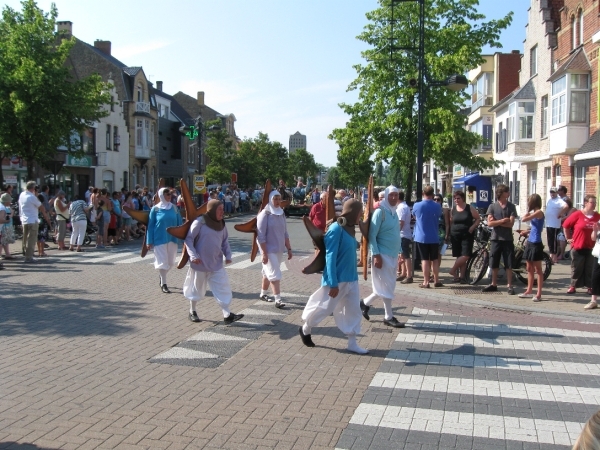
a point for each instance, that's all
(520, 121)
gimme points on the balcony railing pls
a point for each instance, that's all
(142, 107)
(142, 153)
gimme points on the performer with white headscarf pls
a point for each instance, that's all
(273, 240)
(207, 242)
(384, 244)
(339, 292)
(162, 216)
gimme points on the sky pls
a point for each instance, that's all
(279, 66)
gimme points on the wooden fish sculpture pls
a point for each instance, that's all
(364, 229)
(318, 237)
(191, 214)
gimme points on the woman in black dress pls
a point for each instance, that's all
(464, 220)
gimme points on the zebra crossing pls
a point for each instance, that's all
(241, 259)
(461, 383)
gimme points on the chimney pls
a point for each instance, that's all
(65, 27)
(159, 85)
(103, 46)
(516, 52)
(200, 98)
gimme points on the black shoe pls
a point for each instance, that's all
(165, 289)
(393, 322)
(490, 288)
(266, 298)
(279, 304)
(365, 310)
(232, 318)
(306, 339)
(194, 317)
(511, 290)
(408, 280)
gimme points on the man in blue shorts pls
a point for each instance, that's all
(427, 215)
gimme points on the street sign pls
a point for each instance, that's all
(199, 184)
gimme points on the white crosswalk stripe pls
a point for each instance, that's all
(467, 424)
(499, 343)
(489, 388)
(415, 372)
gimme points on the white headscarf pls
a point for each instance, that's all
(270, 207)
(384, 203)
(164, 204)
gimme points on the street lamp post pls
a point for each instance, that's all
(454, 82)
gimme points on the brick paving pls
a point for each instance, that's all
(78, 337)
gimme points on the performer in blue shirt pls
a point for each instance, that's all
(339, 292)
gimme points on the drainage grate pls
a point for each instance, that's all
(474, 290)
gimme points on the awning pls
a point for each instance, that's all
(482, 183)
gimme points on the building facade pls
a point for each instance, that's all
(297, 141)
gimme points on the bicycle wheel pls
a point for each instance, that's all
(477, 266)
(520, 269)
(546, 265)
(87, 240)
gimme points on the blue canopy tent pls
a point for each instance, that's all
(482, 184)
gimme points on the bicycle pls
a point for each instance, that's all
(478, 264)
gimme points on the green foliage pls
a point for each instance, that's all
(383, 122)
(41, 105)
(333, 177)
(220, 149)
(271, 159)
(302, 164)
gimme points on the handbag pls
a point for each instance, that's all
(596, 250)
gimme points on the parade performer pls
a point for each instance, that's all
(273, 239)
(339, 291)
(163, 215)
(384, 244)
(207, 242)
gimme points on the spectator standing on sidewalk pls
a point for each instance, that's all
(534, 251)
(384, 244)
(207, 242)
(562, 192)
(78, 210)
(61, 206)
(7, 231)
(427, 218)
(318, 213)
(339, 292)
(464, 221)
(593, 304)
(405, 270)
(578, 229)
(29, 208)
(273, 239)
(501, 218)
(555, 208)
(44, 227)
(162, 216)
(315, 196)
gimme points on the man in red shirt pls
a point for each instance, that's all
(318, 212)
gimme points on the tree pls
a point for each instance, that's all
(302, 164)
(41, 105)
(259, 159)
(221, 151)
(333, 177)
(383, 122)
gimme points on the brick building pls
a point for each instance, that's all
(576, 58)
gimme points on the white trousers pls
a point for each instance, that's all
(78, 232)
(272, 269)
(384, 279)
(345, 308)
(164, 256)
(194, 287)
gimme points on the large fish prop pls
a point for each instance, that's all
(144, 216)
(364, 225)
(191, 213)
(318, 237)
(251, 225)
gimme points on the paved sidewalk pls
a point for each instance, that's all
(80, 339)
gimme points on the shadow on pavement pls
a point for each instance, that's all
(23, 446)
(38, 311)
